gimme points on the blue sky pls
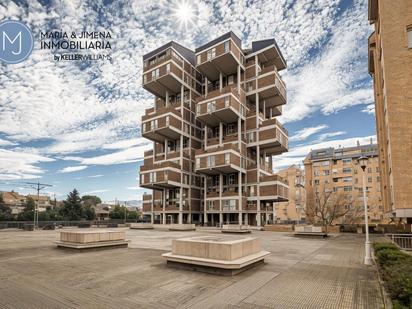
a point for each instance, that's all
(77, 124)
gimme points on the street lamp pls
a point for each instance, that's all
(363, 161)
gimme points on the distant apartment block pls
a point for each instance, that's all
(18, 201)
(390, 64)
(337, 170)
(293, 210)
(214, 132)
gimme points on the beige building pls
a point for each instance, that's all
(14, 200)
(42, 201)
(336, 171)
(390, 64)
(214, 132)
(294, 210)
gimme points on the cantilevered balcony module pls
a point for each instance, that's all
(160, 175)
(221, 105)
(273, 137)
(169, 67)
(268, 52)
(164, 123)
(220, 56)
(269, 86)
(273, 188)
(224, 159)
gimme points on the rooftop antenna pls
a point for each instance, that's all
(38, 187)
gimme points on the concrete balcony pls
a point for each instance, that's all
(270, 87)
(222, 57)
(162, 124)
(273, 137)
(221, 105)
(168, 178)
(167, 77)
(225, 159)
(157, 166)
(273, 188)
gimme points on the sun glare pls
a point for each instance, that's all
(184, 13)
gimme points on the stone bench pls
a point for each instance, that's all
(141, 226)
(223, 255)
(235, 228)
(91, 239)
(309, 230)
(182, 227)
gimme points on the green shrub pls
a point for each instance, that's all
(396, 267)
(377, 246)
(389, 257)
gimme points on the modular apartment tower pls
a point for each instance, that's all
(214, 133)
(390, 64)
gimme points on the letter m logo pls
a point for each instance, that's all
(15, 47)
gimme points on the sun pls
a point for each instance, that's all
(184, 13)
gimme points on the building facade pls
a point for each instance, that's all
(294, 210)
(214, 132)
(390, 64)
(337, 171)
(15, 201)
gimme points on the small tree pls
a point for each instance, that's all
(72, 206)
(88, 212)
(326, 206)
(28, 213)
(5, 211)
(91, 200)
(118, 212)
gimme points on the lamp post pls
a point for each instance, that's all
(363, 161)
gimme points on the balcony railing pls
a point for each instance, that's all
(161, 165)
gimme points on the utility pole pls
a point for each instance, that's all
(38, 187)
(125, 212)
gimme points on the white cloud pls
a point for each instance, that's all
(95, 176)
(337, 77)
(95, 191)
(4, 142)
(70, 169)
(16, 165)
(133, 188)
(369, 109)
(297, 154)
(304, 133)
(128, 155)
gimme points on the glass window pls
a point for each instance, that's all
(227, 101)
(210, 161)
(232, 178)
(211, 106)
(409, 31)
(227, 160)
(199, 59)
(347, 170)
(347, 161)
(227, 46)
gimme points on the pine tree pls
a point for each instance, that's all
(72, 206)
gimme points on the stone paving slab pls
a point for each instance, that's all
(300, 273)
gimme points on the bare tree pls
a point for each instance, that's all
(326, 206)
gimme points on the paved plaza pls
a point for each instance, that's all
(300, 273)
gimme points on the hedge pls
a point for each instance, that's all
(396, 268)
